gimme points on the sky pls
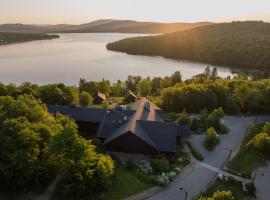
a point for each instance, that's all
(83, 11)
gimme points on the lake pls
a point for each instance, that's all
(84, 55)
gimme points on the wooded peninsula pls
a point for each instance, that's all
(236, 44)
(11, 38)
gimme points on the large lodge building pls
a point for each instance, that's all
(138, 130)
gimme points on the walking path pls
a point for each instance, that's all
(224, 173)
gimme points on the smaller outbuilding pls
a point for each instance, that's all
(130, 97)
(99, 98)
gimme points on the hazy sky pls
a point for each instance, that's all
(81, 11)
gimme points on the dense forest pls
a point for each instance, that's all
(236, 44)
(239, 94)
(36, 146)
(10, 38)
(234, 96)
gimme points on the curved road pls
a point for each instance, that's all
(201, 176)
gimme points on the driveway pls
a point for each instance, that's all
(201, 176)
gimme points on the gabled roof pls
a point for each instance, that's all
(111, 121)
(146, 110)
(147, 124)
(130, 93)
(143, 110)
(144, 120)
(79, 113)
(101, 95)
(163, 134)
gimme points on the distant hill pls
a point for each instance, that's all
(104, 25)
(10, 38)
(236, 44)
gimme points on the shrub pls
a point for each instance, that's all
(207, 120)
(177, 169)
(266, 128)
(261, 142)
(250, 188)
(171, 175)
(223, 129)
(183, 118)
(146, 178)
(230, 179)
(213, 119)
(105, 104)
(130, 164)
(159, 165)
(195, 153)
(194, 124)
(86, 99)
(170, 117)
(220, 195)
(144, 166)
(96, 141)
(211, 139)
(162, 179)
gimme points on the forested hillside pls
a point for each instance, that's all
(9, 38)
(236, 44)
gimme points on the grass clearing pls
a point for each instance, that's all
(234, 186)
(126, 183)
(246, 161)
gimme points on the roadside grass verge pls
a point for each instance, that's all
(234, 186)
(195, 153)
(246, 161)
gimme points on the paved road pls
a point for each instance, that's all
(262, 182)
(200, 176)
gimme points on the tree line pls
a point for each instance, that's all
(84, 93)
(240, 94)
(233, 95)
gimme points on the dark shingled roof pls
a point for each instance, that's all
(144, 110)
(111, 121)
(147, 124)
(163, 134)
(144, 119)
(79, 113)
(183, 131)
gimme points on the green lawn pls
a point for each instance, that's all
(246, 161)
(125, 184)
(233, 186)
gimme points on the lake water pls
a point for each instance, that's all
(84, 55)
